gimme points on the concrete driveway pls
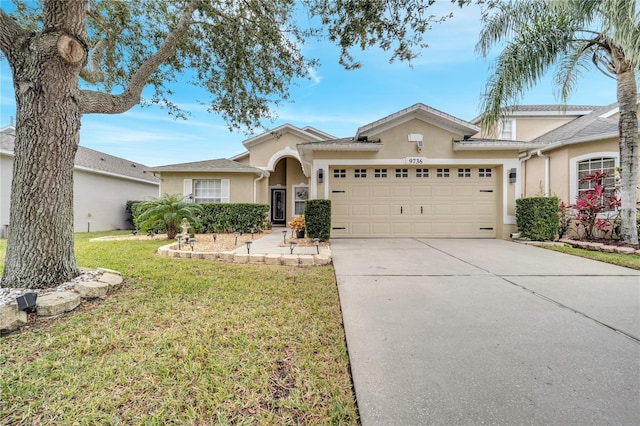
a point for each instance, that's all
(488, 332)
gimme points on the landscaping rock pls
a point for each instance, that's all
(290, 260)
(273, 259)
(256, 258)
(11, 318)
(109, 271)
(114, 281)
(227, 256)
(92, 289)
(625, 250)
(57, 303)
(322, 259)
(241, 258)
(210, 256)
(608, 249)
(305, 259)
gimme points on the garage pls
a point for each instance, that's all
(414, 201)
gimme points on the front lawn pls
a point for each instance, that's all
(184, 342)
(627, 260)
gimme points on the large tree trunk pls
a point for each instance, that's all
(40, 247)
(628, 145)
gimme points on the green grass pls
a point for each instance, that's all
(184, 342)
(627, 260)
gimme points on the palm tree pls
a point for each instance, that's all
(568, 35)
(167, 212)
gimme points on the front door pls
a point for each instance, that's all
(278, 206)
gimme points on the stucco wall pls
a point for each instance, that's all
(104, 198)
(240, 191)
(261, 153)
(6, 171)
(528, 129)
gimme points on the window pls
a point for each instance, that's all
(402, 173)
(506, 130)
(300, 195)
(484, 172)
(464, 173)
(208, 191)
(422, 173)
(605, 165)
(380, 173)
(442, 173)
(339, 173)
(360, 173)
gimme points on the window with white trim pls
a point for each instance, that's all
(506, 129)
(300, 195)
(588, 167)
(211, 190)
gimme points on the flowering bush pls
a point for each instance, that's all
(297, 223)
(593, 203)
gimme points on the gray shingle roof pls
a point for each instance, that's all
(585, 127)
(217, 165)
(93, 160)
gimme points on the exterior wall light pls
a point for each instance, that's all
(417, 138)
(512, 176)
(320, 175)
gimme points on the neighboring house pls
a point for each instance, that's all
(417, 173)
(102, 186)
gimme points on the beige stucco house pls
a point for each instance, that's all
(102, 185)
(417, 173)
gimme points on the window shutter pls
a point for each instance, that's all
(225, 191)
(187, 190)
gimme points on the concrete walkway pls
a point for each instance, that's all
(473, 332)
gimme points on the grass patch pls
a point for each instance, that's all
(184, 342)
(626, 260)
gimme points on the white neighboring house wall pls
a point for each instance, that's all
(102, 185)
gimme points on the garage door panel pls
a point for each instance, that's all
(415, 206)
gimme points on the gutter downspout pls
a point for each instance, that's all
(255, 187)
(547, 161)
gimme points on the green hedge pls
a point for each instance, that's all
(537, 218)
(317, 219)
(132, 209)
(229, 217)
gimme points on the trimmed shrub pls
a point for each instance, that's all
(133, 211)
(537, 217)
(230, 217)
(317, 216)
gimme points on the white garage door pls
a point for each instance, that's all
(438, 202)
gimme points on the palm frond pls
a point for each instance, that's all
(570, 65)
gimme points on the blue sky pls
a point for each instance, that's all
(448, 76)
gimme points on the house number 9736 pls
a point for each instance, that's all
(415, 160)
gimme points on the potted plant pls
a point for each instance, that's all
(297, 224)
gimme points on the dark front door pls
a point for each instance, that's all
(278, 206)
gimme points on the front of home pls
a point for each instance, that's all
(416, 173)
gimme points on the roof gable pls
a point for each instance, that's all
(422, 112)
(308, 134)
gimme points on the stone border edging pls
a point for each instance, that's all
(586, 245)
(55, 303)
(323, 258)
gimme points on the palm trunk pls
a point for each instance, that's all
(628, 145)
